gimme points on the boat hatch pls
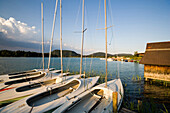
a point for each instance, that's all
(53, 94)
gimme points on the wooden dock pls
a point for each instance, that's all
(124, 110)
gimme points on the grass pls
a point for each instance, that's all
(136, 78)
(166, 111)
(160, 82)
(144, 106)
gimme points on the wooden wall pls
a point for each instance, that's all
(157, 72)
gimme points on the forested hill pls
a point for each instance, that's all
(66, 53)
(55, 53)
(102, 55)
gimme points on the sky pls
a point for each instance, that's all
(135, 23)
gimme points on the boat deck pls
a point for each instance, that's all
(87, 103)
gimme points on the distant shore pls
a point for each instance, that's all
(55, 53)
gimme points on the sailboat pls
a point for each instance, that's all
(31, 80)
(34, 87)
(24, 78)
(53, 96)
(17, 77)
(96, 100)
(103, 98)
(15, 81)
(20, 75)
(15, 90)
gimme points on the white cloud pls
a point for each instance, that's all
(17, 30)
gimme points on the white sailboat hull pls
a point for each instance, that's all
(35, 87)
(43, 101)
(27, 80)
(90, 101)
(20, 75)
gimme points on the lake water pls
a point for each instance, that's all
(132, 75)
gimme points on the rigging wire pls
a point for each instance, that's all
(111, 20)
(112, 37)
(99, 14)
(78, 13)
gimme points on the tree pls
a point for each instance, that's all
(136, 53)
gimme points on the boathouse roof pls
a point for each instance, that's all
(157, 54)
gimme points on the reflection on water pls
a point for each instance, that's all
(160, 93)
(130, 73)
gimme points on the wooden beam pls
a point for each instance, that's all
(114, 98)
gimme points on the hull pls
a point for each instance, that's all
(19, 80)
(53, 96)
(33, 88)
(28, 80)
(7, 77)
(18, 75)
(96, 100)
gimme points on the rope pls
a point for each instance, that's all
(78, 13)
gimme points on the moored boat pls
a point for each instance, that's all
(109, 59)
(52, 97)
(17, 75)
(34, 87)
(25, 80)
(96, 100)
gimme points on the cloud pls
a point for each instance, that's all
(17, 35)
(17, 30)
(11, 44)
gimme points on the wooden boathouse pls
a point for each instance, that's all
(156, 61)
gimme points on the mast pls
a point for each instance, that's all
(42, 34)
(82, 38)
(105, 40)
(61, 55)
(52, 34)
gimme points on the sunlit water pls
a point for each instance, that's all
(131, 74)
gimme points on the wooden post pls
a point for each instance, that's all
(146, 79)
(114, 98)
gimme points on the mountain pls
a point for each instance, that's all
(102, 54)
(123, 54)
(99, 54)
(8, 53)
(55, 53)
(66, 53)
